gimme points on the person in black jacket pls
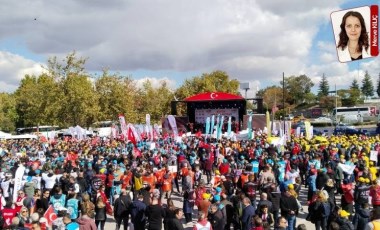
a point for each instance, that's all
(362, 216)
(175, 223)
(43, 202)
(321, 179)
(155, 213)
(289, 208)
(121, 209)
(274, 197)
(216, 217)
(138, 208)
(83, 185)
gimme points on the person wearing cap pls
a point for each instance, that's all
(361, 193)
(347, 200)
(343, 220)
(199, 191)
(205, 203)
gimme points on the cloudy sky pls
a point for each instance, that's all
(252, 40)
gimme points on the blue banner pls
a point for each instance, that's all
(207, 131)
(220, 127)
(250, 127)
(212, 124)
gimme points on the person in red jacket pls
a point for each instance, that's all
(374, 192)
(224, 167)
(8, 213)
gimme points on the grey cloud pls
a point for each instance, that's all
(251, 40)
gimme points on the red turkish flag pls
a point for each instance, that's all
(50, 215)
(131, 136)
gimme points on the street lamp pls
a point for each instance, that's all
(245, 86)
(336, 105)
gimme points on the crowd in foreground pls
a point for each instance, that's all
(247, 185)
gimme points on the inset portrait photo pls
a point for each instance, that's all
(352, 31)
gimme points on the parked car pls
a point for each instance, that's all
(323, 120)
(301, 124)
(289, 117)
(343, 129)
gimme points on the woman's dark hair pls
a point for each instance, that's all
(343, 38)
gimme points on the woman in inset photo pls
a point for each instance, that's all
(353, 41)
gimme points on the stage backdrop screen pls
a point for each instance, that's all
(202, 114)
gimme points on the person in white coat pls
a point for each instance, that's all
(353, 38)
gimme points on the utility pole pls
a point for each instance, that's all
(283, 98)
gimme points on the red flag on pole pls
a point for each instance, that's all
(131, 136)
(50, 215)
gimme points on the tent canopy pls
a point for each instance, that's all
(214, 96)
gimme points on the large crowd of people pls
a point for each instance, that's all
(244, 185)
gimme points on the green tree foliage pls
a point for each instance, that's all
(328, 102)
(64, 95)
(323, 87)
(8, 113)
(154, 101)
(367, 85)
(217, 81)
(28, 101)
(78, 101)
(117, 95)
(272, 96)
(298, 87)
(355, 85)
(349, 97)
(80, 104)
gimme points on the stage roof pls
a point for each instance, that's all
(215, 96)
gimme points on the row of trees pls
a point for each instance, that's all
(298, 93)
(66, 95)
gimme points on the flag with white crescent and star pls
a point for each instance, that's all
(50, 215)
